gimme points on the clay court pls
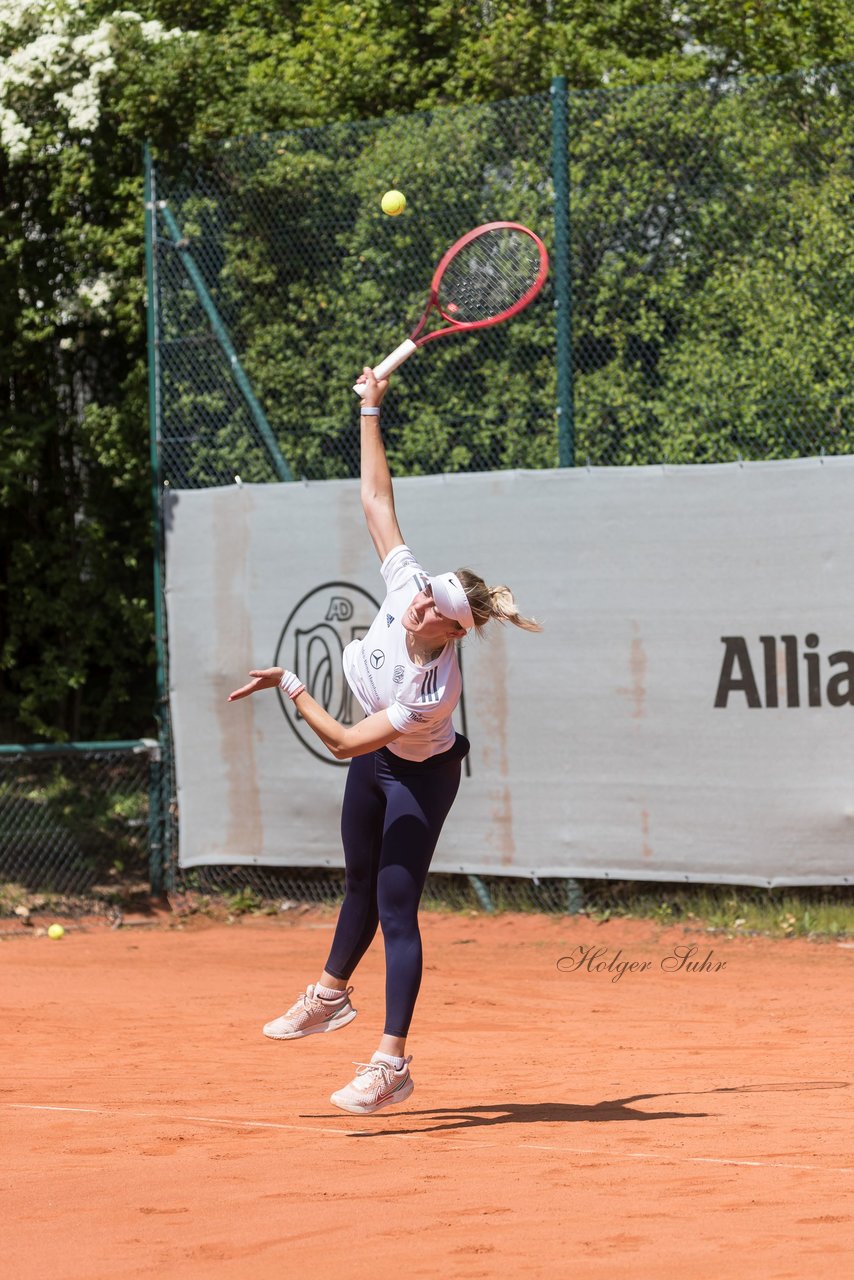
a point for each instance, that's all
(669, 1123)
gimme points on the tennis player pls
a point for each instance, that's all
(403, 777)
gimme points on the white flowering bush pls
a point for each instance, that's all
(54, 58)
(65, 70)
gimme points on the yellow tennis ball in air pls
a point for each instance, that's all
(393, 203)
(56, 931)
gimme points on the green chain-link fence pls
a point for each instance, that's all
(698, 307)
(77, 822)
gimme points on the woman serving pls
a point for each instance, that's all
(403, 777)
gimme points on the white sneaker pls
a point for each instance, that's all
(376, 1085)
(311, 1014)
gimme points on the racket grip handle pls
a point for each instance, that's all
(391, 362)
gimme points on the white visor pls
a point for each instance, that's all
(451, 600)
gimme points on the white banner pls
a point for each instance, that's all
(686, 715)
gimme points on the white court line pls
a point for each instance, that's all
(652, 1155)
(158, 1115)
(459, 1144)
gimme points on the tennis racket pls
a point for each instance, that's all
(488, 276)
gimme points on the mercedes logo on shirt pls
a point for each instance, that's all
(377, 659)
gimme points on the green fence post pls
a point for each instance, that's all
(281, 467)
(159, 821)
(156, 825)
(562, 273)
(482, 893)
(574, 897)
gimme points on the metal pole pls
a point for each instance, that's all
(562, 273)
(574, 897)
(482, 893)
(161, 768)
(156, 823)
(281, 467)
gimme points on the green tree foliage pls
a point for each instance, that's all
(711, 311)
(713, 287)
(83, 85)
(315, 282)
(74, 613)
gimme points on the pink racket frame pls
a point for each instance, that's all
(413, 342)
(462, 326)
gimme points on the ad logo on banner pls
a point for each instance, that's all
(312, 645)
(774, 673)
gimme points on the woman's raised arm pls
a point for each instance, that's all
(377, 491)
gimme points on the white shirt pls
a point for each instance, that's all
(419, 700)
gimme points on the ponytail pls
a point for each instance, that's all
(503, 608)
(492, 602)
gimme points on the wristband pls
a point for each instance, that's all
(370, 411)
(291, 685)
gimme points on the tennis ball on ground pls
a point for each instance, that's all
(393, 203)
(55, 931)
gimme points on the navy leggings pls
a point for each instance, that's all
(390, 823)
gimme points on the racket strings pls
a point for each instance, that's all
(489, 276)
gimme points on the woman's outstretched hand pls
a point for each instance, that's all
(267, 679)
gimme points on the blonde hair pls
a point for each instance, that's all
(492, 602)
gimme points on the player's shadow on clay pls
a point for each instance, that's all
(606, 1112)
(530, 1113)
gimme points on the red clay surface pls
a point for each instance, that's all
(667, 1124)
